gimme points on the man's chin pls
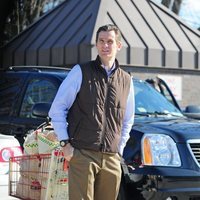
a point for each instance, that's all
(106, 56)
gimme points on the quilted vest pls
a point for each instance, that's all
(96, 116)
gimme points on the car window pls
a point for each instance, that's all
(149, 100)
(38, 91)
(163, 88)
(9, 90)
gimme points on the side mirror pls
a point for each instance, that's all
(41, 109)
(192, 111)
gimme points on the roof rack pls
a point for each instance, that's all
(35, 68)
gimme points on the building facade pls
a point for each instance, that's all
(155, 41)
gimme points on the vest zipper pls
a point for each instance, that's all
(102, 148)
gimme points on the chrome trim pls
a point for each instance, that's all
(194, 141)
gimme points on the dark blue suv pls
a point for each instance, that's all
(163, 152)
(162, 156)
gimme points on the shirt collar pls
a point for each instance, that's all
(108, 69)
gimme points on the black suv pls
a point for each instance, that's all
(162, 156)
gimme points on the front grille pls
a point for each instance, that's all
(195, 150)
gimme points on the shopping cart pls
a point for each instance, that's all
(39, 177)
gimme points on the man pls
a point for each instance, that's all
(97, 101)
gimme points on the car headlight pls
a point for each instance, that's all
(160, 150)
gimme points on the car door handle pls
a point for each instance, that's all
(19, 131)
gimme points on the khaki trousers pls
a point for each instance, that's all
(94, 175)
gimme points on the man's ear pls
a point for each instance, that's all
(119, 46)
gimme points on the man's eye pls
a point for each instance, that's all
(101, 41)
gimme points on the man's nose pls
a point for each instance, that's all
(105, 44)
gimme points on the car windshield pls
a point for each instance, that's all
(149, 101)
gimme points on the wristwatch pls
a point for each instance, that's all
(63, 143)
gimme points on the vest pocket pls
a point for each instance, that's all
(74, 130)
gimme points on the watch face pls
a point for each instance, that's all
(62, 143)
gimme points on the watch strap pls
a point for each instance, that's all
(63, 143)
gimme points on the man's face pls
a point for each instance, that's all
(107, 45)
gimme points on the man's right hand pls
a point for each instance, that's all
(68, 151)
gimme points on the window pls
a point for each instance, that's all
(9, 90)
(149, 100)
(38, 91)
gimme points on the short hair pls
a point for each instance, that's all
(109, 27)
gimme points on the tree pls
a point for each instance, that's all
(6, 7)
(17, 15)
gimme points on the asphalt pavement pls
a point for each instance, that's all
(4, 188)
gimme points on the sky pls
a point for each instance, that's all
(189, 12)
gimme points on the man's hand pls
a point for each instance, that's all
(68, 151)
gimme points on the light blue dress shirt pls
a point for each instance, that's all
(65, 97)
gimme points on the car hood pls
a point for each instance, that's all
(180, 129)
